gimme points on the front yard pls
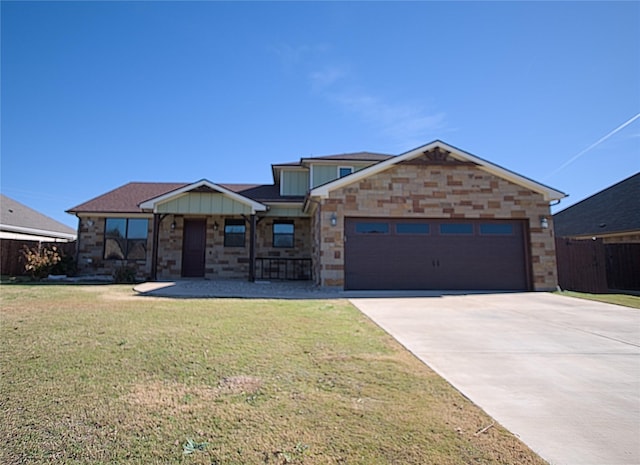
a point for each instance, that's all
(95, 374)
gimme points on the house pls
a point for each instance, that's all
(598, 240)
(612, 214)
(19, 222)
(435, 217)
(23, 226)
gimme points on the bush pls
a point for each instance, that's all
(125, 275)
(40, 261)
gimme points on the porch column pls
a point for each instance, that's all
(154, 246)
(252, 248)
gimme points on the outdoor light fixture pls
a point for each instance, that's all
(215, 225)
(173, 225)
(544, 222)
(89, 223)
(334, 219)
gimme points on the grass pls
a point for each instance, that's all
(95, 374)
(618, 299)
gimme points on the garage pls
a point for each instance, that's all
(436, 254)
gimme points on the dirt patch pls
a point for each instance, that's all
(179, 397)
(240, 385)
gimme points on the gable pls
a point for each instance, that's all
(438, 153)
(202, 197)
(203, 203)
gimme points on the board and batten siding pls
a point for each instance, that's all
(201, 203)
(294, 182)
(322, 174)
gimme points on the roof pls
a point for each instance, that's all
(129, 197)
(460, 155)
(357, 156)
(352, 157)
(262, 192)
(126, 199)
(612, 210)
(17, 217)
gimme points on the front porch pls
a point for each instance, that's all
(230, 247)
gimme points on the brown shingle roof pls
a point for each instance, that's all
(125, 199)
(356, 156)
(261, 192)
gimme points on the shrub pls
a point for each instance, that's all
(124, 275)
(40, 261)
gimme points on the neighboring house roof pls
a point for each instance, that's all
(17, 218)
(615, 209)
(457, 154)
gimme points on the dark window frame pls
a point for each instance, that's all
(340, 168)
(126, 243)
(414, 226)
(371, 227)
(288, 239)
(456, 233)
(497, 229)
(232, 239)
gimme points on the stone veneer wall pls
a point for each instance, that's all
(221, 262)
(227, 262)
(91, 251)
(264, 239)
(414, 190)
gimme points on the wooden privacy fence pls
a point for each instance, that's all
(11, 262)
(595, 267)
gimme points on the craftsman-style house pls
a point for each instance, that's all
(435, 217)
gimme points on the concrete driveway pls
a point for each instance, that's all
(563, 374)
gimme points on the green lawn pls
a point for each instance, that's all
(618, 299)
(95, 374)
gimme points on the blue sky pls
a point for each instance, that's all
(95, 95)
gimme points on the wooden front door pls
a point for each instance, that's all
(193, 248)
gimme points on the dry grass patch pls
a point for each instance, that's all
(99, 375)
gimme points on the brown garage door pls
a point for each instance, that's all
(382, 253)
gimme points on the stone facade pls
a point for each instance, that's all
(430, 186)
(444, 191)
(90, 251)
(220, 262)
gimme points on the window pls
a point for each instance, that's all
(456, 228)
(234, 232)
(125, 238)
(372, 228)
(496, 228)
(412, 228)
(283, 234)
(344, 171)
